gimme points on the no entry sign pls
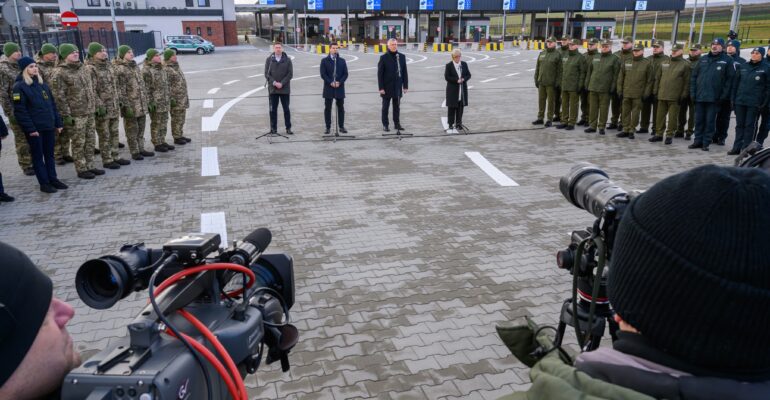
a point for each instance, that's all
(69, 19)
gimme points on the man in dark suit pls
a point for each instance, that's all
(278, 74)
(393, 81)
(334, 72)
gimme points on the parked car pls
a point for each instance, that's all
(207, 45)
(189, 46)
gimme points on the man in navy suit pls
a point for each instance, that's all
(393, 82)
(334, 72)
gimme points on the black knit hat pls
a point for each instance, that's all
(25, 296)
(691, 271)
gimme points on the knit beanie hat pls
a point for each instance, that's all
(735, 43)
(168, 54)
(691, 272)
(66, 49)
(10, 48)
(24, 62)
(760, 50)
(48, 48)
(122, 50)
(719, 41)
(150, 54)
(94, 48)
(25, 295)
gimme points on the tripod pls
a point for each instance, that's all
(591, 330)
(336, 135)
(271, 134)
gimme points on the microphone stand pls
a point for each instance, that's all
(335, 111)
(399, 132)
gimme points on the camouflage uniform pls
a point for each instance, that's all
(133, 102)
(107, 116)
(45, 68)
(180, 102)
(156, 82)
(75, 98)
(9, 70)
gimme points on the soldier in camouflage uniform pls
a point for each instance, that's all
(74, 94)
(657, 58)
(156, 82)
(132, 101)
(625, 54)
(107, 114)
(9, 70)
(588, 58)
(179, 101)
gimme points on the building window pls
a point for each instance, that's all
(209, 31)
(94, 3)
(189, 3)
(198, 31)
(187, 31)
(203, 3)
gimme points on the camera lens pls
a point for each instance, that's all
(586, 186)
(101, 283)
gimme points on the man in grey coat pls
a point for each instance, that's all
(278, 74)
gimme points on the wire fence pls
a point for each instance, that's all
(33, 39)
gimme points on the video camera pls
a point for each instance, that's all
(237, 300)
(589, 254)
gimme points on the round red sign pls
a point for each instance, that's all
(69, 19)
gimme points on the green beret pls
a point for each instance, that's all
(122, 50)
(10, 48)
(168, 54)
(48, 48)
(94, 48)
(151, 53)
(676, 46)
(66, 49)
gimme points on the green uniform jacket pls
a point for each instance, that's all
(573, 72)
(635, 78)
(177, 85)
(133, 96)
(103, 78)
(672, 80)
(657, 60)
(548, 69)
(73, 90)
(602, 71)
(156, 82)
(9, 70)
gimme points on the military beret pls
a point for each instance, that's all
(695, 46)
(676, 46)
(48, 48)
(10, 48)
(94, 48)
(628, 39)
(66, 49)
(638, 46)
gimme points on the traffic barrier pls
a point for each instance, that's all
(442, 47)
(425, 47)
(322, 49)
(495, 46)
(537, 45)
(380, 48)
(516, 43)
(645, 43)
(343, 44)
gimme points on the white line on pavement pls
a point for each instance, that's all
(254, 76)
(215, 223)
(445, 123)
(443, 104)
(509, 63)
(435, 66)
(513, 74)
(209, 161)
(489, 80)
(490, 169)
(208, 103)
(530, 70)
(491, 66)
(213, 91)
(231, 82)
(212, 123)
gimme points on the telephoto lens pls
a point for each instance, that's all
(586, 186)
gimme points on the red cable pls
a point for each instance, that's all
(194, 270)
(203, 329)
(210, 357)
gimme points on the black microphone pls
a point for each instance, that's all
(249, 249)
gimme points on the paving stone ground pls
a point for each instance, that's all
(406, 253)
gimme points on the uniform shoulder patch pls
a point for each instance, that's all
(16, 96)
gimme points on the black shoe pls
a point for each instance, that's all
(561, 126)
(48, 189)
(705, 148)
(289, 132)
(144, 153)
(601, 131)
(669, 140)
(97, 152)
(570, 128)
(121, 145)
(556, 119)
(733, 152)
(180, 141)
(343, 130)
(537, 122)
(186, 139)
(137, 157)
(612, 126)
(582, 122)
(679, 134)
(631, 136)
(29, 171)
(121, 161)
(687, 136)
(59, 184)
(161, 148)
(86, 175)
(60, 161)
(96, 171)
(112, 165)
(5, 198)
(695, 146)
(327, 131)
(385, 129)
(68, 159)
(590, 130)
(721, 142)
(400, 128)
(620, 127)
(655, 139)
(169, 147)
(548, 124)
(622, 135)
(643, 130)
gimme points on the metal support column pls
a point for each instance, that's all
(285, 25)
(734, 18)
(523, 26)
(565, 24)
(675, 26)
(703, 21)
(633, 25)
(270, 21)
(295, 26)
(441, 23)
(417, 26)
(258, 17)
(502, 33)
(692, 23)
(532, 26)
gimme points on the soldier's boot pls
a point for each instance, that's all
(537, 122)
(590, 130)
(612, 126)
(601, 132)
(622, 135)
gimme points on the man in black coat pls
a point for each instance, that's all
(334, 72)
(278, 74)
(393, 81)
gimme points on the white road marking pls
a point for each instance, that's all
(509, 63)
(445, 123)
(491, 66)
(209, 161)
(489, 80)
(513, 74)
(221, 69)
(486, 56)
(213, 91)
(208, 103)
(215, 223)
(212, 123)
(435, 66)
(530, 70)
(231, 82)
(417, 55)
(443, 104)
(254, 76)
(489, 169)
(470, 87)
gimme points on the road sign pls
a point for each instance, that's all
(426, 4)
(69, 19)
(25, 13)
(641, 5)
(509, 5)
(463, 4)
(588, 5)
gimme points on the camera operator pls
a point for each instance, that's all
(36, 352)
(690, 289)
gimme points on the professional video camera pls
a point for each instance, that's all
(590, 253)
(237, 300)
